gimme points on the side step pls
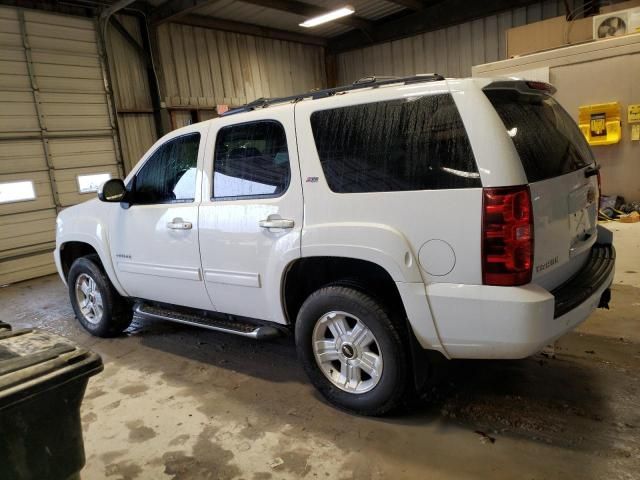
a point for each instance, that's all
(236, 327)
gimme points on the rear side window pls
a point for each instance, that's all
(546, 137)
(251, 159)
(398, 145)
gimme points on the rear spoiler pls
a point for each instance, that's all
(523, 86)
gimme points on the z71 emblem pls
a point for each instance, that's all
(312, 179)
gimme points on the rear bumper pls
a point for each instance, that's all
(480, 321)
(587, 281)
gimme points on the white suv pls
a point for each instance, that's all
(376, 222)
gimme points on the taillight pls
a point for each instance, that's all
(507, 236)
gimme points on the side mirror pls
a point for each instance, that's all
(112, 191)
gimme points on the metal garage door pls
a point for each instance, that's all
(57, 136)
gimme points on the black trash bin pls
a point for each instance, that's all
(42, 382)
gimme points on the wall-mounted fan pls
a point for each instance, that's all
(616, 24)
(612, 27)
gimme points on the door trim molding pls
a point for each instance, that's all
(182, 273)
(242, 279)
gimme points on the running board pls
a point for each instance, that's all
(235, 327)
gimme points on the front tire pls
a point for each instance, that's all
(99, 308)
(352, 350)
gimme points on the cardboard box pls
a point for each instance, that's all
(619, 6)
(548, 34)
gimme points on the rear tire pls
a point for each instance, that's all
(99, 308)
(352, 351)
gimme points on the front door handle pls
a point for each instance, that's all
(277, 223)
(179, 224)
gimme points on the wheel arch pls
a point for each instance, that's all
(376, 243)
(305, 275)
(70, 249)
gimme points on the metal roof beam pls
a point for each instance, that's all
(250, 29)
(415, 5)
(171, 10)
(436, 15)
(308, 10)
(128, 37)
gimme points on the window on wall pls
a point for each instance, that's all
(19, 191)
(169, 175)
(91, 182)
(408, 144)
(251, 159)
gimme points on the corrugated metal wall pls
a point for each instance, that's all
(204, 68)
(130, 86)
(449, 51)
(55, 125)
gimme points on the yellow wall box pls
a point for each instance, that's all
(633, 113)
(600, 123)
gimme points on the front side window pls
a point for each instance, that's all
(398, 145)
(169, 176)
(251, 159)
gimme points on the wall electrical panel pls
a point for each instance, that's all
(600, 123)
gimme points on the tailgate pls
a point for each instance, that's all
(562, 178)
(565, 214)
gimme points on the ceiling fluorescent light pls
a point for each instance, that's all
(327, 17)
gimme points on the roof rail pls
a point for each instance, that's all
(365, 82)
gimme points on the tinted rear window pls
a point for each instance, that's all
(547, 139)
(408, 144)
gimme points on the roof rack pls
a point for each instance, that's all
(365, 82)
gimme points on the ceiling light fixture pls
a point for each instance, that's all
(327, 17)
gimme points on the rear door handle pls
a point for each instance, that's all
(179, 224)
(277, 223)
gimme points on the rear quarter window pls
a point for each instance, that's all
(398, 145)
(547, 139)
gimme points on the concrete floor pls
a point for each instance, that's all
(182, 403)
